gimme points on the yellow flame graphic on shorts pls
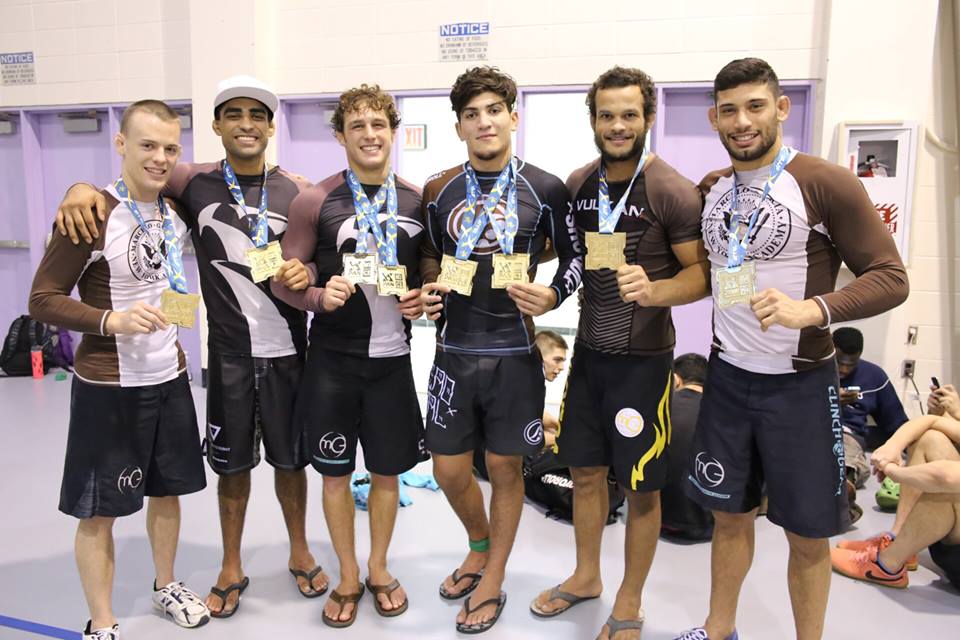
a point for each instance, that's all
(663, 431)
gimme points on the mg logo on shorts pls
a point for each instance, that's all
(333, 444)
(129, 479)
(629, 422)
(533, 433)
(708, 469)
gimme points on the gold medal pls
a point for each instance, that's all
(510, 269)
(392, 281)
(605, 250)
(264, 261)
(736, 285)
(457, 274)
(360, 268)
(179, 308)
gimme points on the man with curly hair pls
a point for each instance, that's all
(359, 233)
(640, 222)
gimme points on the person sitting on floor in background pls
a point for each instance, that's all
(553, 352)
(865, 390)
(929, 511)
(944, 401)
(681, 516)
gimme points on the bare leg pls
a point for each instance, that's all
(931, 446)
(339, 511)
(731, 554)
(93, 548)
(643, 528)
(808, 576)
(163, 529)
(935, 517)
(291, 490)
(454, 474)
(590, 507)
(383, 505)
(233, 493)
(506, 503)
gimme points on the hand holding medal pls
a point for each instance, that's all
(177, 305)
(361, 267)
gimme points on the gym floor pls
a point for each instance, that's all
(40, 592)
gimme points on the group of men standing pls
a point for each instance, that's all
(367, 253)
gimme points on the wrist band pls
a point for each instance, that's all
(480, 546)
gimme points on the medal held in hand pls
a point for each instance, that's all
(510, 269)
(392, 281)
(364, 265)
(264, 261)
(360, 268)
(605, 250)
(177, 304)
(179, 308)
(474, 222)
(457, 274)
(736, 285)
(605, 247)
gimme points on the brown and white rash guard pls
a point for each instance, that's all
(817, 215)
(119, 269)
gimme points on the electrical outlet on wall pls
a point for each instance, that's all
(912, 332)
(907, 369)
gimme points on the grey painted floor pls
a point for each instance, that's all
(38, 580)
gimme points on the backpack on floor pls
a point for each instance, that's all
(24, 334)
(548, 484)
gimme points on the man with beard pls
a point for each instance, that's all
(640, 220)
(777, 225)
(236, 210)
(489, 220)
(358, 382)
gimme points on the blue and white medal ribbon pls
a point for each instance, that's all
(609, 217)
(172, 257)
(473, 223)
(367, 217)
(261, 231)
(737, 246)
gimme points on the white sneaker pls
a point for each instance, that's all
(180, 603)
(107, 633)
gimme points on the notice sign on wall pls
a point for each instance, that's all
(464, 41)
(17, 68)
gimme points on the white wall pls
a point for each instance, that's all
(94, 51)
(913, 83)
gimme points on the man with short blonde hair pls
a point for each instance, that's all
(133, 428)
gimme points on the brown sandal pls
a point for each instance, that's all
(343, 600)
(386, 589)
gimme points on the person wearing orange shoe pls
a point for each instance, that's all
(929, 515)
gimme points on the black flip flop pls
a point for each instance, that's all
(483, 626)
(556, 593)
(343, 600)
(615, 626)
(457, 578)
(308, 576)
(223, 594)
(386, 589)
